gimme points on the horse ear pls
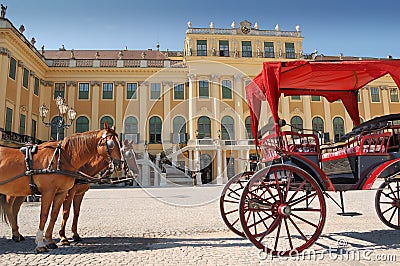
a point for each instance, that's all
(113, 128)
(106, 125)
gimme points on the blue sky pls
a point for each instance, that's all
(351, 27)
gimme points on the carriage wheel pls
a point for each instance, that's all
(229, 201)
(282, 210)
(387, 203)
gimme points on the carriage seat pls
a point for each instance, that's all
(352, 151)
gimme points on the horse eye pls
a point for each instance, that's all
(110, 144)
(128, 154)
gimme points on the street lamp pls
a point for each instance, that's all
(63, 109)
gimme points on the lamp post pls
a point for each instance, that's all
(63, 110)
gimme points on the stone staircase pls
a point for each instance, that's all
(176, 176)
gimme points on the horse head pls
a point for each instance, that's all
(129, 158)
(109, 146)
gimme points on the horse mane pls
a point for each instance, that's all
(80, 143)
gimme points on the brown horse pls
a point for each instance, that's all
(77, 192)
(74, 152)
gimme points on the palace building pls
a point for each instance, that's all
(186, 111)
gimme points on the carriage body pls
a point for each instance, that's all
(281, 208)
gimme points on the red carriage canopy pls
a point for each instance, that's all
(334, 80)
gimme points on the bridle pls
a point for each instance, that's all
(113, 164)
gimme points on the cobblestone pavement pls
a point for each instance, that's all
(182, 226)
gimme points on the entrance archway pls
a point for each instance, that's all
(206, 168)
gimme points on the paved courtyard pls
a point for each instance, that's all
(182, 226)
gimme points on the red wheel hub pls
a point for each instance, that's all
(284, 210)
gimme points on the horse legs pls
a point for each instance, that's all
(66, 210)
(57, 202)
(16, 206)
(77, 208)
(47, 199)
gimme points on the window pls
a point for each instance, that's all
(317, 125)
(131, 91)
(289, 50)
(296, 123)
(227, 128)
(22, 120)
(223, 48)
(394, 95)
(155, 91)
(109, 120)
(83, 91)
(374, 95)
(25, 79)
(246, 49)
(203, 127)
(247, 124)
(82, 124)
(34, 128)
(315, 98)
(13, 68)
(107, 90)
(338, 128)
(269, 50)
(201, 47)
(295, 97)
(9, 116)
(179, 91)
(155, 129)
(59, 90)
(226, 89)
(179, 130)
(131, 129)
(203, 89)
(36, 87)
(54, 128)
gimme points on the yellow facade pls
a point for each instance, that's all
(203, 85)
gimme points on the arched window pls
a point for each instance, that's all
(82, 124)
(179, 130)
(130, 125)
(247, 124)
(297, 123)
(58, 120)
(228, 128)
(204, 127)
(131, 129)
(338, 128)
(108, 119)
(155, 129)
(318, 124)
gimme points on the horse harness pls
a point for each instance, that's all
(29, 150)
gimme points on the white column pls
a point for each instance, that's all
(143, 89)
(238, 96)
(29, 116)
(71, 87)
(119, 100)
(5, 61)
(307, 112)
(247, 162)
(385, 100)
(365, 100)
(215, 93)
(225, 173)
(219, 166)
(95, 104)
(192, 106)
(146, 171)
(166, 93)
(328, 118)
(285, 109)
(241, 162)
(196, 161)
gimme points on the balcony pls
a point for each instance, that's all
(18, 139)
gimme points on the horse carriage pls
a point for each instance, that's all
(57, 169)
(281, 207)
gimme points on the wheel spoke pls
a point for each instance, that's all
(304, 220)
(278, 187)
(297, 190)
(287, 188)
(231, 201)
(391, 216)
(388, 209)
(233, 192)
(302, 198)
(235, 221)
(232, 211)
(298, 229)
(261, 220)
(278, 233)
(288, 234)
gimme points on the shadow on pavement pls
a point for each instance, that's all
(121, 244)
